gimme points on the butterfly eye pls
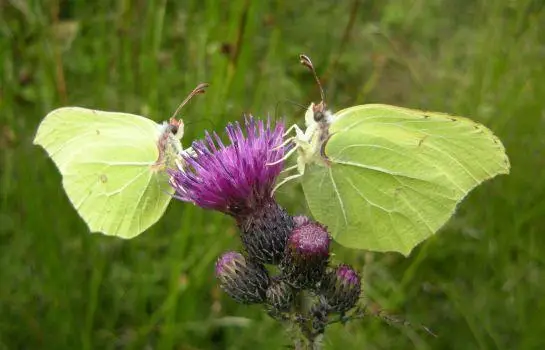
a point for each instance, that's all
(174, 129)
(319, 116)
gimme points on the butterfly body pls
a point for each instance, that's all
(168, 144)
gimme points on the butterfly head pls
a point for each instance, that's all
(317, 114)
(320, 114)
(176, 127)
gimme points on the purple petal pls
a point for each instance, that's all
(234, 177)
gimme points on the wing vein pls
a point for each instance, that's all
(338, 196)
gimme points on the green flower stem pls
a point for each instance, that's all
(307, 338)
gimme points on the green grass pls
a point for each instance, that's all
(479, 283)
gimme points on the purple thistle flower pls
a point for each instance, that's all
(237, 180)
(234, 179)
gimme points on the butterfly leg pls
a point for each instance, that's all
(300, 139)
(289, 178)
(289, 169)
(286, 156)
(294, 126)
(189, 152)
(284, 144)
(298, 134)
(300, 166)
(180, 163)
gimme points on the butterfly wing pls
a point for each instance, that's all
(396, 175)
(107, 163)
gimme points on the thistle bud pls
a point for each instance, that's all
(264, 233)
(341, 288)
(280, 296)
(244, 281)
(307, 254)
(319, 316)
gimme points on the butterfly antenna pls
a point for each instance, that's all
(305, 61)
(276, 107)
(196, 122)
(200, 89)
(294, 103)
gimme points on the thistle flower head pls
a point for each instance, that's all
(309, 240)
(265, 231)
(280, 296)
(307, 255)
(341, 288)
(244, 281)
(235, 178)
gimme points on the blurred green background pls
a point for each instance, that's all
(479, 283)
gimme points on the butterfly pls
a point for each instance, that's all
(113, 164)
(384, 178)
